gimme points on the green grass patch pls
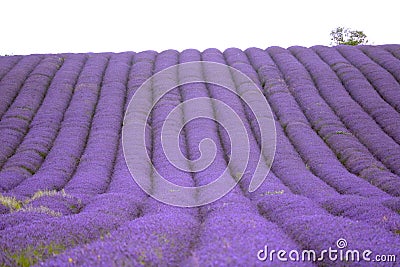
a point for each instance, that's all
(48, 193)
(40, 209)
(16, 205)
(343, 132)
(10, 202)
(275, 192)
(31, 255)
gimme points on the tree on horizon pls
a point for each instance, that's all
(347, 36)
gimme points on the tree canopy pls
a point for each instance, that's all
(346, 36)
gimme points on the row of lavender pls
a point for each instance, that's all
(335, 174)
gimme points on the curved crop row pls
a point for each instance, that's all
(288, 164)
(358, 121)
(383, 101)
(96, 163)
(385, 59)
(301, 134)
(15, 122)
(7, 64)
(234, 202)
(44, 127)
(13, 81)
(63, 157)
(351, 153)
(283, 161)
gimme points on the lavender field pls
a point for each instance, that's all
(67, 197)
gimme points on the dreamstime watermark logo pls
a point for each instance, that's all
(338, 254)
(145, 99)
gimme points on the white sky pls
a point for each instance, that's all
(98, 26)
